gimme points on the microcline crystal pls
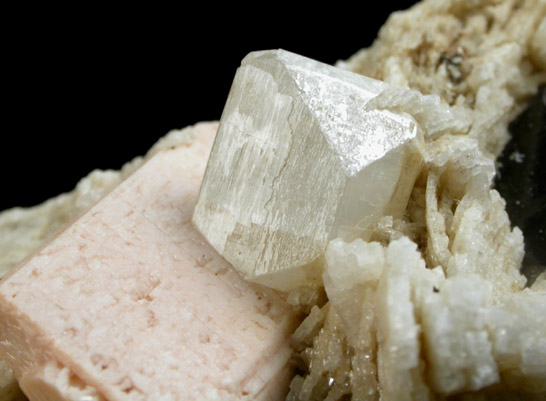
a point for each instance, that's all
(299, 160)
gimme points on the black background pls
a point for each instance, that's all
(93, 88)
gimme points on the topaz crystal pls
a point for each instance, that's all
(298, 161)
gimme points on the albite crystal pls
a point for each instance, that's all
(298, 161)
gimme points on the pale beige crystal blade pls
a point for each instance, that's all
(298, 161)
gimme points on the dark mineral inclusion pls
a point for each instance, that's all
(521, 180)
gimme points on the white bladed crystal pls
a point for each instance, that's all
(298, 161)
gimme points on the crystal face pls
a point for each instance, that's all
(297, 161)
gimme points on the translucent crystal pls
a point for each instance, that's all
(400, 366)
(517, 327)
(351, 275)
(456, 341)
(297, 162)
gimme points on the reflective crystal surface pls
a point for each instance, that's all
(298, 161)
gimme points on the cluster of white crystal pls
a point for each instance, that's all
(479, 335)
(298, 161)
(484, 58)
(462, 310)
(422, 334)
(468, 230)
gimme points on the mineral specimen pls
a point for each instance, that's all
(297, 162)
(23, 230)
(411, 333)
(480, 333)
(466, 321)
(129, 303)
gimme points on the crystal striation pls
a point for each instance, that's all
(298, 161)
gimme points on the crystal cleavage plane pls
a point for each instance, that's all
(298, 161)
